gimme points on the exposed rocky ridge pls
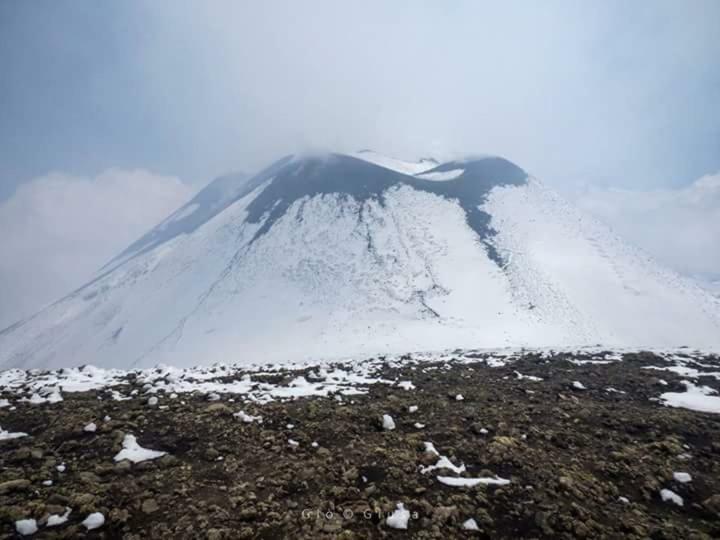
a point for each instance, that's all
(292, 178)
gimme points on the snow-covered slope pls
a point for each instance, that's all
(339, 255)
(212, 200)
(395, 164)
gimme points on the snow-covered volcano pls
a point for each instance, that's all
(340, 255)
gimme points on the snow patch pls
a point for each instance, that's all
(395, 164)
(247, 418)
(132, 451)
(682, 477)
(669, 495)
(51, 396)
(94, 521)
(443, 462)
(441, 176)
(520, 377)
(26, 527)
(6, 435)
(399, 518)
(471, 482)
(56, 519)
(696, 398)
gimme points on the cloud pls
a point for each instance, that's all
(58, 229)
(612, 93)
(678, 227)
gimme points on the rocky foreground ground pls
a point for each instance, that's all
(588, 448)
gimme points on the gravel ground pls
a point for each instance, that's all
(581, 463)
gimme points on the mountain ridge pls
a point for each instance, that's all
(335, 255)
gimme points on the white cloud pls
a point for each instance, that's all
(58, 229)
(679, 227)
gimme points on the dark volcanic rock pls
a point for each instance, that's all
(581, 464)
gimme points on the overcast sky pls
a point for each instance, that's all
(592, 97)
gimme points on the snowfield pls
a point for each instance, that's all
(303, 266)
(583, 280)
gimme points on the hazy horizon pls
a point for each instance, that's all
(115, 114)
